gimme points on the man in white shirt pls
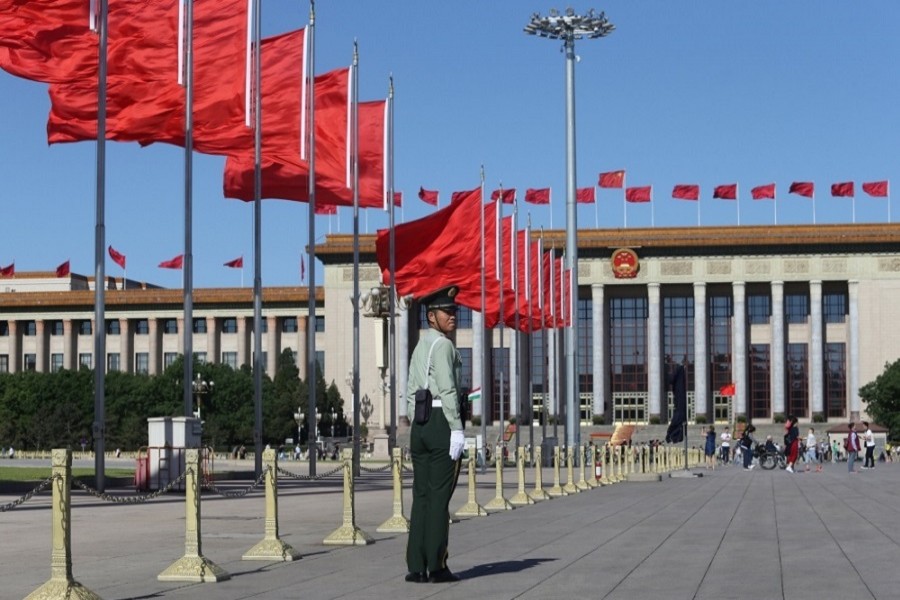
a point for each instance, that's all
(726, 445)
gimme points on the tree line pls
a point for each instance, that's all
(39, 411)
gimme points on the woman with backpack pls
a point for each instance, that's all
(747, 443)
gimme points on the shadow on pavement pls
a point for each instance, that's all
(507, 566)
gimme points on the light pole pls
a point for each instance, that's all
(201, 388)
(333, 419)
(569, 27)
(298, 416)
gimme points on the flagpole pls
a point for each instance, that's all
(545, 378)
(698, 211)
(813, 197)
(624, 202)
(596, 215)
(99, 425)
(737, 202)
(652, 210)
(514, 278)
(775, 207)
(392, 269)
(889, 200)
(555, 343)
(257, 238)
(309, 123)
(484, 362)
(529, 337)
(354, 165)
(187, 332)
(498, 238)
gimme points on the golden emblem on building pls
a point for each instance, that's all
(625, 264)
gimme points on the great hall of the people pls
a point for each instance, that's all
(797, 317)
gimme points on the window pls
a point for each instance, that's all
(169, 358)
(112, 362)
(499, 369)
(142, 362)
(719, 316)
(265, 325)
(230, 359)
(796, 308)
(56, 362)
(585, 347)
(200, 325)
(760, 396)
(85, 360)
(320, 323)
(4, 363)
(30, 328)
(113, 327)
(797, 380)
(835, 308)
(320, 359)
(465, 375)
(835, 380)
(289, 325)
(464, 318)
(678, 334)
(84, 327)
(4, 328)
(141, 327)
(30, 362)
(170, 326)
(200, 357)
(759, 308)
(628, 344)
(229, 325)
(55, 327)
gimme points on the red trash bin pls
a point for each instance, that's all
(142, 471)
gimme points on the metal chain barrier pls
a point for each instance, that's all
(40, 488)
(309, 477)
(378, 470)
(237, 493)
(130, 499)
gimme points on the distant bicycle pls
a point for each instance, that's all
(768, 460)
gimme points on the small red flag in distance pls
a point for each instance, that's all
(585, 195)
(611, 179)
(237, 263)
(726, 192)
(398, 198)
(763, 192)
(843, 189)
(8, 271)
(509, 196)
(876, 189)
(686, 192)
(803, 188)
(428, 196)
(326, 209)
(175, 263)
(117, 257)
(537, 196)
(63, 270)
(727, 390)
(639, 194)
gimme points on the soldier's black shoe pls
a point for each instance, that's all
(416, 577)
(443, 576)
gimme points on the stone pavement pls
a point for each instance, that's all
(729, 534)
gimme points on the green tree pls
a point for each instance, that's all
(883, 398)
(279, 406)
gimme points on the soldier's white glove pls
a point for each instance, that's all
(457, 443)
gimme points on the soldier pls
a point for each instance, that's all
(436, 439)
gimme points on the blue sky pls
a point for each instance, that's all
(702, 92)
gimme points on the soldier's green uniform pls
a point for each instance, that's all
(434, 472)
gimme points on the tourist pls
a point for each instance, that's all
(811, 445)
(851, 445)
(791, 442)
(869, 439)
(746, 446)
(726, 445)
(710, 450)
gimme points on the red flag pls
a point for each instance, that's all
(639, 194)
(8, 271)
(326, 209)
(537, 196)
(117, 257)
(455, 196)
(802, 188)
(876, 189)
(843, 189)
(509, 196)
(726, 192)
(727, 390)
(686, 192)
(175, 263)
(763, 192)
(63, 270)
(237, 263)
(428, 196)
(585, 195)
(398, 198)
(612, 179)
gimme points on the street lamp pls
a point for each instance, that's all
(298, 417)
(333, 418)
(201, 388)
(570, 27)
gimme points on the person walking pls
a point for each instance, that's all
(851, 445)
(791, 442)
(746, 446)
(710, 449)
(811, 448)
(436, 439)
(726, 445)
(869, 439)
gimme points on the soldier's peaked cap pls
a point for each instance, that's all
(444, 297)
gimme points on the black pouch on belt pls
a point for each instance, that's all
(423, 406)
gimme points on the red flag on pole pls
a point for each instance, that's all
(63, 270)
(398, 198)
(726, 192)
(843, 189)
(611, 179)
(117, 257)
(686, 192)
(8, 271)
(639, 194)
(763, 192)
(803, 188)
(175, 263)
(326, 209)
(508, 196)
(585, 195)
(428, 196)
(727, 390)
(537, 196)
(876, 189)
(237, 263)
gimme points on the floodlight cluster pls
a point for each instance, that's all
(569, 25)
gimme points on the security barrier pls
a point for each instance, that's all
(582, 483)
(592, 466)
(348, 534)
(471, 508)
(538, 493)
(521, 498)
(499, 502)
(271, 547)
(556, 491)
(397, 523)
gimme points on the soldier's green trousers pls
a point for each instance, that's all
(434, 480)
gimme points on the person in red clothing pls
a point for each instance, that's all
(791, 442)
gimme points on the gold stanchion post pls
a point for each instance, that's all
(471, 508)
(538, 493)
(582, 483)
(592, 465)
(557, 490)
(397, 523)
(570, 487)
(521, 498)
(61, 584)
(348, 534)
(271, 547)
(499, 502)
(605, 474)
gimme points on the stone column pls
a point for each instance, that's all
(300, 352)
(153, 368)
(40, 346)
(701, 358)
(654, 349)
(126, 346)
(401, 326)
(181, 332)
(68, 345)
(853, 293)
(739, 347)
(778, 357)
(272, 335)
(598, 361)
(816, 349)
(212, 341)
(15, 347)
(243, 357)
